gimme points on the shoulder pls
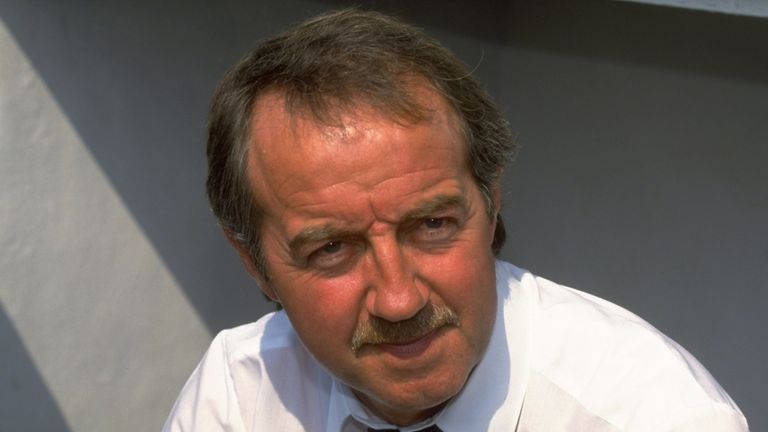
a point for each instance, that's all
(249, 378)
(614, 365)
(270, 335)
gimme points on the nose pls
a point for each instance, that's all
(395, 292)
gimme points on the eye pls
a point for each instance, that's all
(331, 247)
(435, 230)
(434, 223)
(331, 255)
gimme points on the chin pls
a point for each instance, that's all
(412, 401)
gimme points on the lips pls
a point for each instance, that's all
(412, 348)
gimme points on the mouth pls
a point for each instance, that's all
(412, 348)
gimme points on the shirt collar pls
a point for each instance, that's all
(492, 396)
(347, 413)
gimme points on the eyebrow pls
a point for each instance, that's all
(436, 205)
(329, 232)
(315, 234)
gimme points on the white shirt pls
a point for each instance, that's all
(558, 360)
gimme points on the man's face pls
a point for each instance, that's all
(379, 227)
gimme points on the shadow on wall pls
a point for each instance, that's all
(22, 388)
(134, 80)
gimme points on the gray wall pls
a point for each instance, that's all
(640, 179)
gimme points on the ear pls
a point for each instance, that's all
(250, 267)
(496, 195)
(496, 199)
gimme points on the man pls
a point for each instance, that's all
(354, 165)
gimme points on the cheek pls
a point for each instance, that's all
(324, 313)
(465, 280)
(461, 280)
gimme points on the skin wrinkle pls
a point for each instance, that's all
(310, 208)
(349, 132)
(292, 198)
(346, 61)
(374, 195)
(331, 232)
(355, 119)
(347, 184)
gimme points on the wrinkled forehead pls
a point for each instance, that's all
(292, 153)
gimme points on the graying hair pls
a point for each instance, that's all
(325, 66)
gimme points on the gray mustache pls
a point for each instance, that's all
(380, 331)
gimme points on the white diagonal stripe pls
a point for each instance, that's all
(109, 329)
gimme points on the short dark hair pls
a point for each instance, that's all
(328, 64)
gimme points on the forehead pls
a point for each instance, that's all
(367, 167)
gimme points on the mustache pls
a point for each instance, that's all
(380, 331)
